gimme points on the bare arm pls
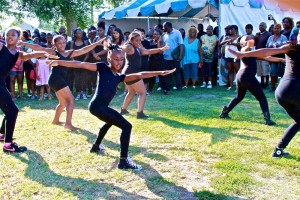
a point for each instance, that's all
(272, 59)
(261, 53)
(36, 47)
(36, 54)
(153, 51)
(147, 74)
(73, 64)
(87, 49)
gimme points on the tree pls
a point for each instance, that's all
(73, 13)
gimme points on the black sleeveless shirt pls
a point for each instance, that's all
(7, 62)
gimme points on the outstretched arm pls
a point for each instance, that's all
(87, 49)
(273, 59)
(147, 74)
(73, 64)
(36, 54)
(36, 47)
(261, 53)
(153, 51)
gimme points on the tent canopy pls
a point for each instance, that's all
(164, 8)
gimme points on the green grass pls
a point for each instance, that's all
(186, 151)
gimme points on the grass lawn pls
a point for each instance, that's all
(186, 151)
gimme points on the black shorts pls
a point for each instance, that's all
(57, 82)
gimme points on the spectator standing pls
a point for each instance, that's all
(263, 67)
(209, 43)
(193, 58)
(173, 39)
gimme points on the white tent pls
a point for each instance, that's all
(145, 14)
(242, 12)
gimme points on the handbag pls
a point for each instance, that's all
(32, 75)
(175, 53)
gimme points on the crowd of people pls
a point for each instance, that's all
(139, 60)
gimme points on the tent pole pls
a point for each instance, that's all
(208, 12)
(148, 24)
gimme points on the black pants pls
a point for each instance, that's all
(10, 111)
(80, 76)
(247, 81)
(166, 80)
(111, 117)
(287, 95)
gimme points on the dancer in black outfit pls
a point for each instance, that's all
(287, 92)
(58, 76)
(246, 81)
(106, 89)
(8, 58)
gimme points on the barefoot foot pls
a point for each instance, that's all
(70, 127)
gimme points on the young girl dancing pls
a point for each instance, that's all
(287, 92)
(9, 56)
(108, 80)
(58, 76)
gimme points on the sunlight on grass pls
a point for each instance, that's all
(185, 150)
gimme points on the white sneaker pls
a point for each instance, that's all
(194, 86)
(203, 85)
(184, 87)
(174, 88)
(229, 88)
(209, 85)
(159, 89)
(77, 97)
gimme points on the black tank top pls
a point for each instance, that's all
(8, 60)
(133, 63)
(61, 69)
(82, 57)
(292, 68)
(248, 66)
(98, 49)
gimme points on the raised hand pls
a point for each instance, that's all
(165, 48)
(47, 55)
(100, 42)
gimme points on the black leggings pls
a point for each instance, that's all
(246, 81)
(10, 111)
(111, 117)
(287, 95)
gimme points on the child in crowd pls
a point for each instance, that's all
(42, 75)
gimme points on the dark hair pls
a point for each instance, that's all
(291, 21)
(234, 27)
(160, 26)
(108, 31)
(101, 24)
(26, 35)
(92, 28)
(168, 24)
(121, 37)
(249, 26)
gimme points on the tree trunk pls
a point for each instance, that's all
(71, 25)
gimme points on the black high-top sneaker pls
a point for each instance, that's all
(128, 164)
(268, 119)
(224, 113)
(279, 152)
(141, 115)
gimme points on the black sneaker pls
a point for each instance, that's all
(141, 115)
(124, 111)
(128, 164)
(97, 148)
(279, 152)
(14, 148)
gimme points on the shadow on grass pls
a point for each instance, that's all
(38, 170)
(207, 195)
(217, 133)
(163, 187)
